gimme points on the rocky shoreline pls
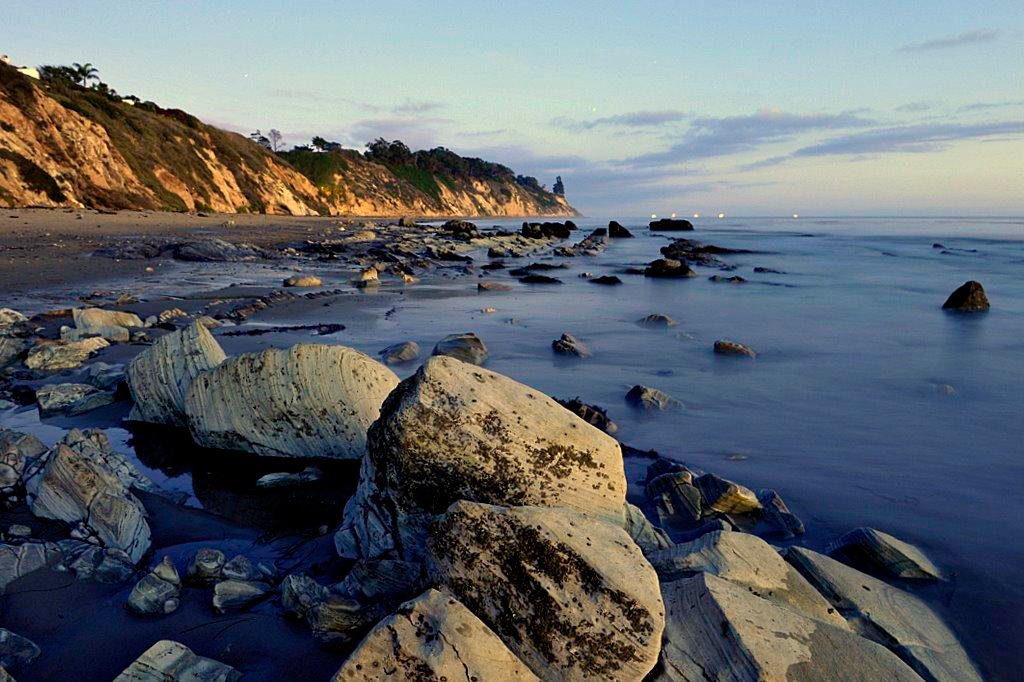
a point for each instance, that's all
(488, 531)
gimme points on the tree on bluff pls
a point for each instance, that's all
(559, 188)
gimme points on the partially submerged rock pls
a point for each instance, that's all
(24, 558)
(715, 630)
(569, 345)
(725, 496)
(400, 353)
(454, 431)
(237, 594)
(647, 398)
(570, 594)
(670, 225)
(896, 618)
(10, 349)
(15, 649)
(153, 594)
(466, 346)
(433, 637)
(726, 347)
(879, 553)
(310, 400)
(55, 355)
(159, 377)
(657, 321)
(71, 399)
(302, 281)
(592, 414)
(617, 231)
(170, 661)
(667, 267)
(89, 319)
(969, 297)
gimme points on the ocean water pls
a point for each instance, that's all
(867, 405)
(847, 409)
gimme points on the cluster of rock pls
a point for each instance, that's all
(548, 230)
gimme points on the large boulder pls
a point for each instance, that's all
(168, 660)
(569, 593)
(715, 630)
(70, 399)
(969, 297)
(432, 637)
(91, 318)
(668, 267)
(898, 619)
(10, 348)
(453, 431)
(78, 486)
(159, 377)
(310, 400)
(750, 562)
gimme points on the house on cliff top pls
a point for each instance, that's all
(29, 71)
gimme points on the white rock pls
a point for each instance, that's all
(159, 377)
(455, 431)
(168, 661)
(715, 630)
(432, 637)
(569, 593)
(9, 317)
(898, 617)
(86, 318)
(60, 398)
(54, 355)
(310, 400)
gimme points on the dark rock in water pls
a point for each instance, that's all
(667, 267)
(605, 279)
(570, 345)
(735, 279)
(152, 594)
(467, 347)
(679, 511)
(968, 298)
(16, 649)
(657, 321)
(670, 225)
(214, 250)
(386, 581)
(548, 230)
(725, 347)
(937, 245)
(768, 271)
(237, 594)
(592, 414)
(879, 553)
(448, 255)
(647, 398)
(461, 229)
(539, 279)
(599, 232)
(537, 267)
(617, 231)
(724, 496)
(206, 566)
(493, 266)
(399, 353)
(776, 518)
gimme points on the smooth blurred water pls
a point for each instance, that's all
(844, 411)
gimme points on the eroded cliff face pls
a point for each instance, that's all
(63, 146)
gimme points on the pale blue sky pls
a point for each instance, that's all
(873, 108)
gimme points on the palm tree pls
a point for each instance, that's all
(85, 72)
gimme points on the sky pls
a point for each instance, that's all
(747, 108)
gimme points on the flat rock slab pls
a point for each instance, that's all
(879, 553)
(310, 400)
(570, 594)
(750, 562)
(169, 661)
(716, 630)
(905, 623)
(433, 637)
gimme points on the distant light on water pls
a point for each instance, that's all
(796, 215)
(696, 215)
(653, 216)
(673, 216)
(721, 215)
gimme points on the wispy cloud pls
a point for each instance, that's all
(710, 137)
(633, 119)
(985, 106)
(416, 107)
(981, 35)
(913, 107)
